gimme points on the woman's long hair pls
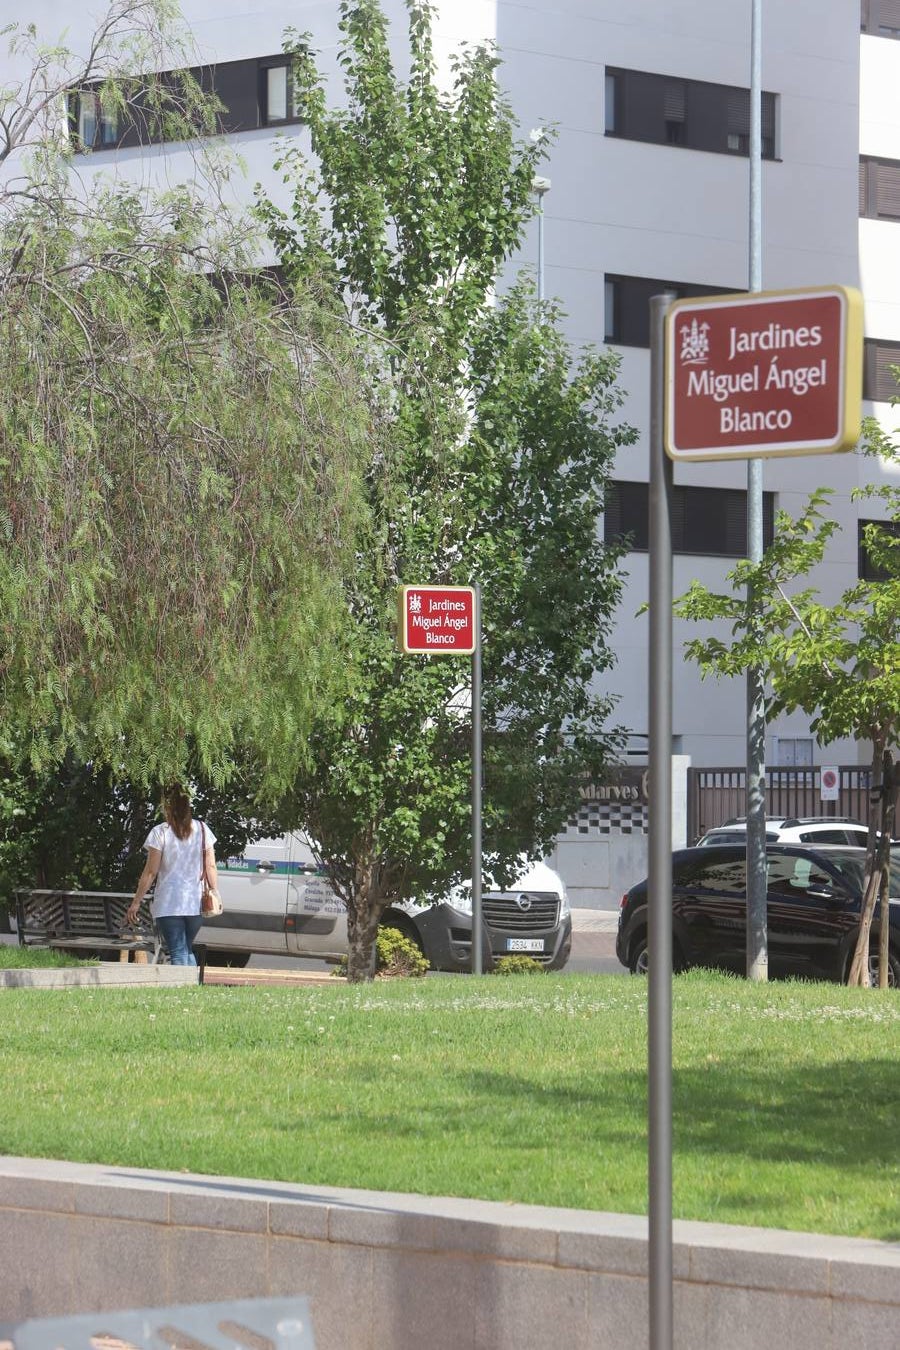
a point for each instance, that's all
(177, 808)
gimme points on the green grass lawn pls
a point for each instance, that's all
(530, 1089)
(36, 958)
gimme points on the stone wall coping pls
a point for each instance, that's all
(577, 1239)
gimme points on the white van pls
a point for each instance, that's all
(277, 902)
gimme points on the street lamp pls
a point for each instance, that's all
(541, 186)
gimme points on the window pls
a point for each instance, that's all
(881, 18)
(276, 91)
(834, 835)
(880, 384)
(713, 872)
(868, 569)
(705, 521)
(252, 93)
(793, 751)
(641, 106)
(879, 188)
(610, 109)
(675, 111)
(787, 874)
(738, 130)
(627, 318)
(95, 119)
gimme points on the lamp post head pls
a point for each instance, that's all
(540, 186)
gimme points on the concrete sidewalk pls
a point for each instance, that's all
(595, 920)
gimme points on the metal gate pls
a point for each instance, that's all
(717, 795)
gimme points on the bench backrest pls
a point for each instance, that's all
(60, 914)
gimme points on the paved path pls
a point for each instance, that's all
(595, 920)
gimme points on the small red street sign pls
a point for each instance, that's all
(438, 619)
(772, 373)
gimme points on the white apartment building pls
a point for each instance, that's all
(649, 187)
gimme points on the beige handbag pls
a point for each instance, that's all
(210, 899)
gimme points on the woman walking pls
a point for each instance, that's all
(178, 852)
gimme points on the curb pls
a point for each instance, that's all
(109, 974)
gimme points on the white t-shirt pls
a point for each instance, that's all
(178, 880)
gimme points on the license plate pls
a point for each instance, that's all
(524, 944)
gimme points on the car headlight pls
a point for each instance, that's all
(565, 908)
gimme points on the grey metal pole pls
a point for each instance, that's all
(659, 921)
(476, 790)
(757, 936)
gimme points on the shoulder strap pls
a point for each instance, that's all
(202, 851)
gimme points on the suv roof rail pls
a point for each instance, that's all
(792, 821)
(742, 820)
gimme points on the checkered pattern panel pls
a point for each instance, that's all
(604, 818)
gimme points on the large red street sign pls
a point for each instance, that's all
(770, 373)
(437, 619)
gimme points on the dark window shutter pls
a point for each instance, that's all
(738, 112)
(868, 569)
(887, 189)
(735, 516)
(674, 101)
(709, 522)
(680, 519)
(880, 383)
(888, 17)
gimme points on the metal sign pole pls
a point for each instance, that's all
(659, 919)
(476, 789)
(757, 935)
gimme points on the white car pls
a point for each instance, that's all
(792, 830)
(277, 902)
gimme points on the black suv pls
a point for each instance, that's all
(814, 896)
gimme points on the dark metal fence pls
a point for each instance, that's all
(717, 795)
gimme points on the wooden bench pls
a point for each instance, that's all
(86, 921)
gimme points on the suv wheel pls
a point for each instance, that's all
(893, 968)
(639, 956)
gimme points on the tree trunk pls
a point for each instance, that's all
(363, 913)
(877, 854)
(888, 809)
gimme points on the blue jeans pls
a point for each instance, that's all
(179, 932)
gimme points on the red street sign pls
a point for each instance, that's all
(437, 619)
(770, 373)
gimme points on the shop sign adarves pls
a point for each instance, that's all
(623, 784)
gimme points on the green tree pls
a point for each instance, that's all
(498, 445)
(180, 455)
(837, 660)
(81, 827)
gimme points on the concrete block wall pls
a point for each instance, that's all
(409, 1271)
